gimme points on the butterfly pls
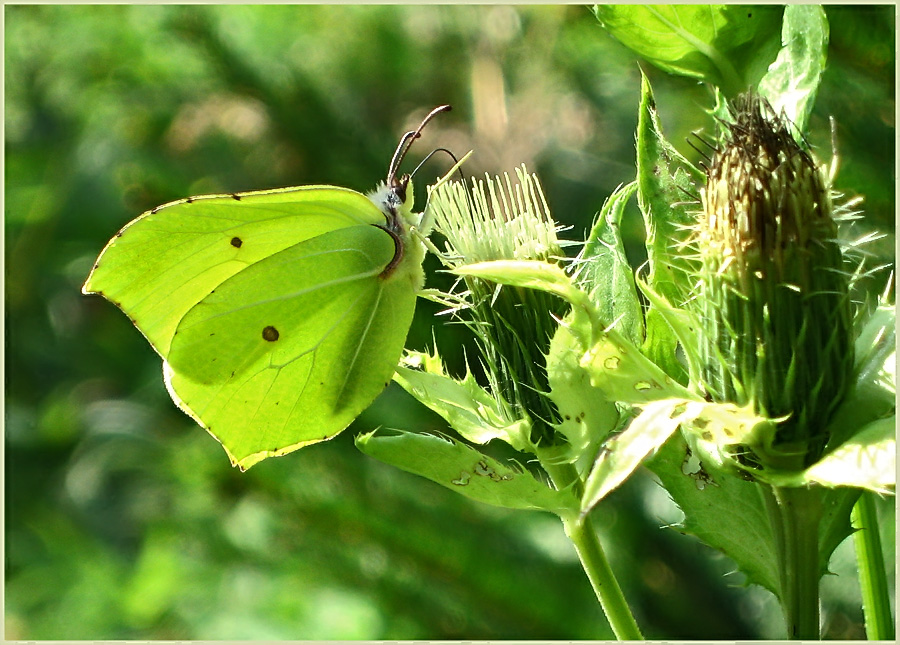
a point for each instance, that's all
(280, 315)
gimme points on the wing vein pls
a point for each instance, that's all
(362, 340)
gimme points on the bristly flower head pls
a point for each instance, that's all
(498, 219)
(495, 219)
(773, 295)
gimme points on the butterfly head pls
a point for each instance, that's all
(395, 202)
(395, 195)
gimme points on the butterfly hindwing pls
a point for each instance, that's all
(280, 308)
(294, 347)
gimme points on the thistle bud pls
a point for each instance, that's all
(497, 219)
(773, 296)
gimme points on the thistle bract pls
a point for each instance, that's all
(773, 296)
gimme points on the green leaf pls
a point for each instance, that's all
(665, 179)
(465, 470)
(792, 82)
(532, 274)
(726, 512)
(623, 454)
(873, 392)
(834, 526)
(707, 424)
(618, 369)
(730, 513)
(280, 315)
(726, 45)
(684, 325)
(588, 414)
(465, 406)
(868, 460)
(604, 271)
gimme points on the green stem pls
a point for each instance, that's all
(596, 566)
(796, 516)
(582, 534)
(872, 576)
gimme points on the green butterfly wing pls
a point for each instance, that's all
(280, 315)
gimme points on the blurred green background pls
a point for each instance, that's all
(123, 520)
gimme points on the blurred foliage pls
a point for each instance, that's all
(124, 520)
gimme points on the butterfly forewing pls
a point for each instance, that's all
(166, 261)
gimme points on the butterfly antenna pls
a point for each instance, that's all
(431, 154)
(406, 141)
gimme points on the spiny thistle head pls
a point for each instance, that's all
(495, 219)
(498, 219)
(773, 294)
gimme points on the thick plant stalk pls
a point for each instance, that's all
(872, 577)
(799, 513)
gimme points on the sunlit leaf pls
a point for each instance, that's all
(726, 45)
(604, 270)
(666, 182)
(465, 470)
(707, 425)
(467, 407)
(868, 460)
(588, 414)
(792, 82)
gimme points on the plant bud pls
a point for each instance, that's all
(496, 219)
(773, 296)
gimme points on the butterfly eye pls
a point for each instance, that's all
(398, 190)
